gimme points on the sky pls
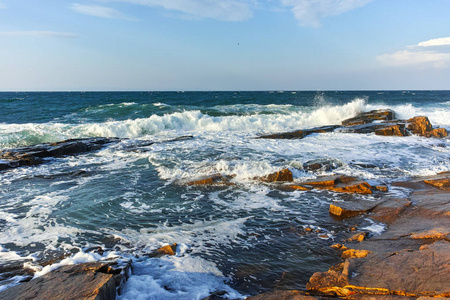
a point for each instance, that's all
(182, 45)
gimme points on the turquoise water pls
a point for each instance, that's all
(243, 239)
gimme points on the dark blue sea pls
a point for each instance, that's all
(242, 239)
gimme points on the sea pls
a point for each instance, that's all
(234, 240)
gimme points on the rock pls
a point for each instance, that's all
(323, 164)
(341, 184)
(435, 233)
(389, 210)
(283, 295)
(391, 130)
(369, 117)
(353, 253)
(283, 175)
(299, 134)
(298, 188)
(34, 155)
(381, 188)
(216, 179)
(437, 133)
(443, 183)
(166, 250)
(353, 208)
(338, 247)
(359, 237)
(83, 281)
(419, 125)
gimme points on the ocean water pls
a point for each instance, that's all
(242, 239)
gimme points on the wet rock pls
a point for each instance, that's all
(283, 295)
(353, 208)
(389, 210)
(369, 117)
(34, 155)
(381, 188)
(338, 247)
(443, 182)
(216, 179)
(392, 130)
(435, 234)
(299, 134)
(341, 184)
(359, 237)
(297, 188)
(283, 175)
(421, 126)
(354, 253)
(166, 250)
(83, 281)
(322, 165)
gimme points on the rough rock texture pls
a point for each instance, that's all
(369, 117)
(83, 281)
(166, 250)
(341, 184)
(353, 208)
(216, 179)
(411, 258)
(421, 125)
(323, 164)
(299, 134)
(283, 175)
(34, 155)
(283, 295)
(390, 130)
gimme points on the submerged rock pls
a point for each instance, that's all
(341, 184)
(322, 164)
(97, 280)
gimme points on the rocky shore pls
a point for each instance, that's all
(410, 259)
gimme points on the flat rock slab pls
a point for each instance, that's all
(423, 272)
(83, 281)
(283, 295)
(35, 155)
(299, 134)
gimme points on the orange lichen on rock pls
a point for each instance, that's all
(419, 125)
(353, 253)
(216, 179)
(283, 175)
(166, 250)
(436, 233)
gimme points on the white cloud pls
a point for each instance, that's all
(435, 42)
(99, 11)
(438, 57)
(225, 10)
(36, 33)
(2, 6)
(310, 12)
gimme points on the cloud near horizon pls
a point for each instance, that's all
(417, 56)
(37, 33)
(310, 12)
(99, 11)
(224, 10)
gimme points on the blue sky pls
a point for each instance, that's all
(224, 45)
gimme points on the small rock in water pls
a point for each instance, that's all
(166, 250)
(283, 175)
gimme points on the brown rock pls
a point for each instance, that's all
(283, 175)
(359, 237)
(419, 125)
(392, 130)
(299, 134)
(356, 207)
(437, 133)
(166, 250)
(439, 182)
(436, 234)
(341, 184)
(353, 253)
(389, 210)
(381, 188)
(82, 281)
(216, 179)
(283, 295)
(369, 117)
(299, 187)
(339, 247)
